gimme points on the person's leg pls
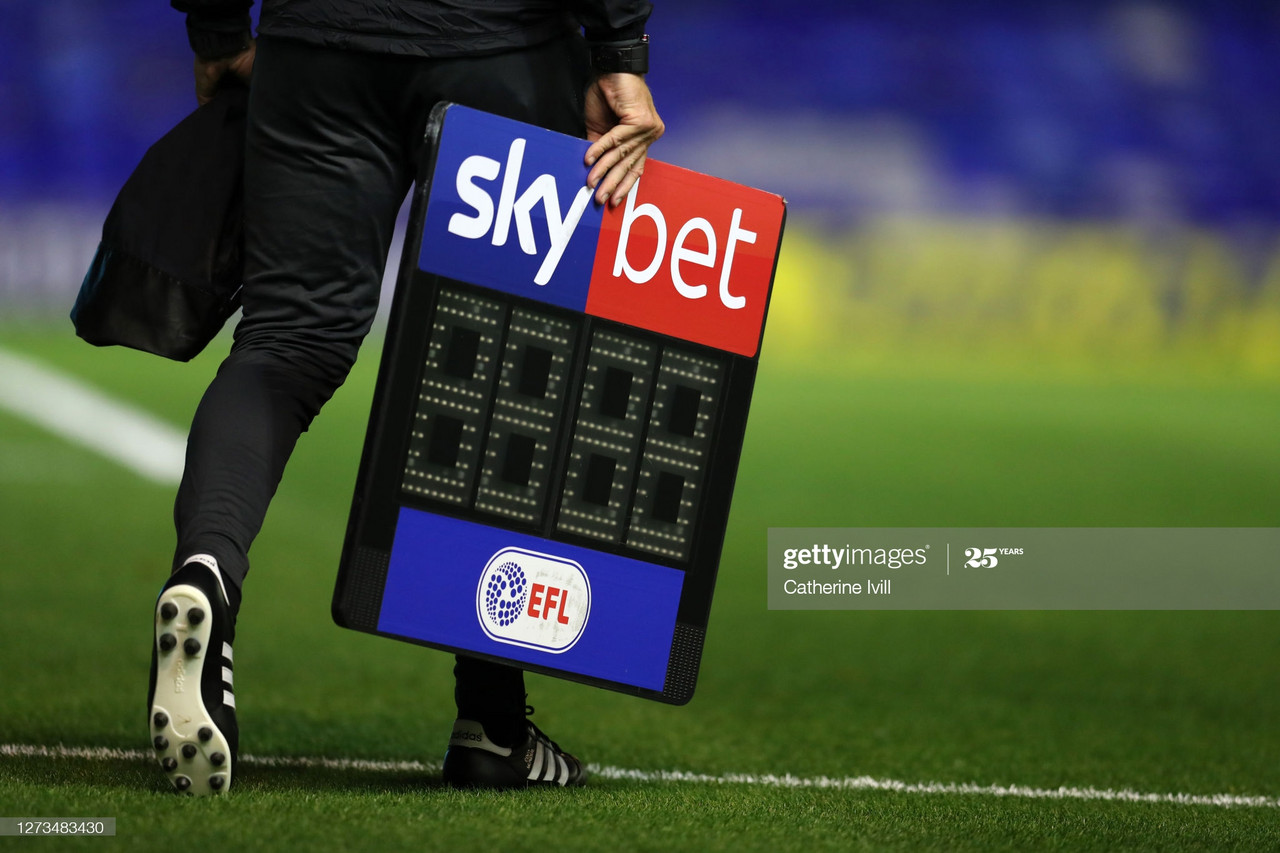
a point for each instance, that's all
(491, 694)
(325, 172)
(542, 85)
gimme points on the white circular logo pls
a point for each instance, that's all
(538, 601)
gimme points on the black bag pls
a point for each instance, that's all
(168, 270)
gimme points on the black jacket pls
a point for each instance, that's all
(429, 28)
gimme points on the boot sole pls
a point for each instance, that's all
(191, 749)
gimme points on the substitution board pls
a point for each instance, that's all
(559, 410)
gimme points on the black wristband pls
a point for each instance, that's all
(629, 57)
(219, 38)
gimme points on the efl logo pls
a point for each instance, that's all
(688, 255)
(533, 600)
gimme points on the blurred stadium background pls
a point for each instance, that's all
(1089, 185)
(1031, 277)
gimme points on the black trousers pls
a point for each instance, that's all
(334, 140)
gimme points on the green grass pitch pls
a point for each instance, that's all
(1148, 701)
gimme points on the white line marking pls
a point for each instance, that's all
(66, 407)
(846, 783)
(868, 783)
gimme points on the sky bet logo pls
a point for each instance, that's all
(483, 221)
(533, 600)
(687, 255)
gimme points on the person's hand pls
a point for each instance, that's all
(621, 125)
(210, 71)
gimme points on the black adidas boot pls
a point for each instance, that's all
(475, 761)
(191, 709)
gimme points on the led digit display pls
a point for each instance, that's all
(527, 411)
(453, 398)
